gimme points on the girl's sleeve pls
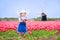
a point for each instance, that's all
(19, 19)
(26, 19)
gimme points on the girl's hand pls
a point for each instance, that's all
(18, 20)
(26, 20)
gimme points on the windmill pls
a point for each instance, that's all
(44, 16)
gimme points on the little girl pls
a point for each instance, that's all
(22, 23)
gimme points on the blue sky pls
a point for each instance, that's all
(9, 8)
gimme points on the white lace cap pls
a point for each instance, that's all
(23, 11)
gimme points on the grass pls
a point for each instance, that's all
(58, 37)
(12, 35)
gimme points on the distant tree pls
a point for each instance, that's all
(0, 19)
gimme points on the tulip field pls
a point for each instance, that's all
(35, 29)
(35, 25)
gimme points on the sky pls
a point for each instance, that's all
(9, 8)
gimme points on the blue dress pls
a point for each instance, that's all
(22, 27)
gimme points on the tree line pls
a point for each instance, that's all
(35, 19)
